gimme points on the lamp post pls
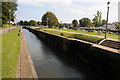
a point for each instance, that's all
(47, 22)
(107, 19)
(9, 18)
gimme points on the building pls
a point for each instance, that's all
(11, 22)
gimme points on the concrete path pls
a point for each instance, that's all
(5, 30)
(86, 34)
(26, 68)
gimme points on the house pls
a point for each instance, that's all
(11, 22)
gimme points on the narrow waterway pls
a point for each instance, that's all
(52, 64)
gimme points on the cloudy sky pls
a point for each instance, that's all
(66, 10)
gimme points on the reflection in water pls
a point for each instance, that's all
(53, 64)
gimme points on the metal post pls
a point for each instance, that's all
(47, 22)
(107, 20)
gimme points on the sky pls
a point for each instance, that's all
(66, 10)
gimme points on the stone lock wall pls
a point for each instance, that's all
(95, 57)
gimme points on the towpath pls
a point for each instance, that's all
(26, 68)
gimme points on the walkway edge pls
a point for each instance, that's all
(32, 65)
(20, 66)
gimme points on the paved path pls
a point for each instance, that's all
(5, 30)
(26, 68)
(86, 34)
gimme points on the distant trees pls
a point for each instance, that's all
(32, 23)
(75, 23)
(50, 19)
(8, 11)
(97, 21)
(29, 23)
(117, 26)
(26, 23)
(21, 23)
(85, 22)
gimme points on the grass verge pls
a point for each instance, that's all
(86, 38)
(0, 27)
(76, 36)
(0, 57)
(115, 36)
(10, 53)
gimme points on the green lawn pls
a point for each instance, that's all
(0, 56)
(10, 53)
(114, 36)
(86, 38)
(0, 27)
(59, 33)
(91, 33)
(76, 36)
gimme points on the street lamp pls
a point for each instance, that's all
(9, 18)
(107, 19)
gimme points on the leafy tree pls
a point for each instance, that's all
(117, 26)
(66, 25)
(21, 23)
(103, 22)
(97, 21)
(38, 23)
(8, 11)
(85, 22)
(32, 23)
(61, 26)
(50, 19)
(26, 23)
(75, 23)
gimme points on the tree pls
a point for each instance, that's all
(26, 23)
(85, 22)
(8, 11)
(103, 22)
(38, 23)
(50, 19)
(32, 22)
(117, 26)
(75, 23)
(21, 23)
(97, 21)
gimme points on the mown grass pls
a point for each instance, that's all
(86, 38)
(0, 56)
(0, 27)
(59, 33)
(76, 36)
(10, 53)
(41, 28)
(115, 36)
